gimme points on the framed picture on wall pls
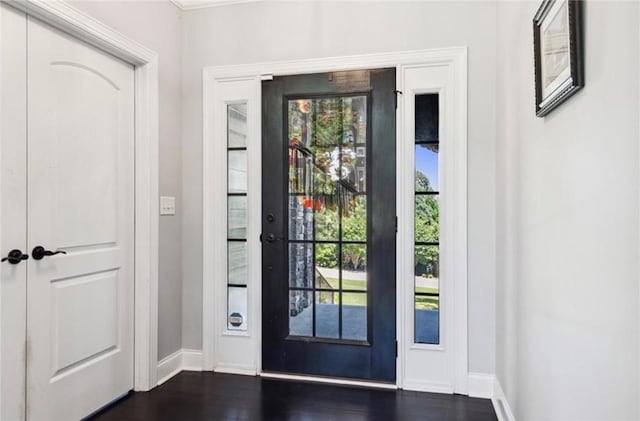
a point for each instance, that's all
(557, 40)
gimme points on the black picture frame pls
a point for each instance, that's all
(562, 74)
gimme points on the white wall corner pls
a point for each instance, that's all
(181, 360)
(481, 385)
(500, 403)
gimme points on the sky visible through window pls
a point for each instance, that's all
(427, 163)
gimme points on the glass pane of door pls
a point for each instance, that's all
(328, 216)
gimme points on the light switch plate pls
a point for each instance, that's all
(167, 205)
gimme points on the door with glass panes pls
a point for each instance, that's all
(329, 225)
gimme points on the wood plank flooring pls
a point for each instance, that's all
(193, 396)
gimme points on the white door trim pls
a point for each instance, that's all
(67, 18)
(213, 77)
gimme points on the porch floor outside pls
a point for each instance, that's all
(354, 323)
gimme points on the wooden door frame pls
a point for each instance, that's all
(240, 353)
(67, 18)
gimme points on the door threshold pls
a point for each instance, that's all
(330, 380)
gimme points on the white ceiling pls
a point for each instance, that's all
(199, 4)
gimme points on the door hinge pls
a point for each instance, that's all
(396, 349)
(396, 224)
(397, 92)
(260, 237)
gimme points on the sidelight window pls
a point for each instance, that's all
(237, 261)
(427, 221)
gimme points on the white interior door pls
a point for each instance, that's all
(13, 213)
(81, 201)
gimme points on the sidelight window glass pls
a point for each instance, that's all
(237, 261)
(427, 221)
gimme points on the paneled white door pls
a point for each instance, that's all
(80, 201)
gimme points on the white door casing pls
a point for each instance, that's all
(13, 211)
(81, 200)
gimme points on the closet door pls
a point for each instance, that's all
(80, 226)
(13, 212)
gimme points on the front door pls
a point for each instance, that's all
(329, 225)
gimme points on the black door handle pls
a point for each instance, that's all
(39, 252)
(15, 256)
(270, 238)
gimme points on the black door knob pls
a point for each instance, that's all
(39, 252)
(15, 256)
(269, 238)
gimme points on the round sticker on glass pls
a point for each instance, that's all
(235, 319)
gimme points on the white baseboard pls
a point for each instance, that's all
(181, 360)
(500, 403)
(480, 385)
(232, 369)
(169, 366)
(424, 386)
(191, 360)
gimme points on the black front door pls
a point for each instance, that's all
(329, 225)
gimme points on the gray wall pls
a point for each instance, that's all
(256, 32)
(567, 225)
(156, 24)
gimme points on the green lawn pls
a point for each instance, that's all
(360, 299)
(426, 302)
(347, 284)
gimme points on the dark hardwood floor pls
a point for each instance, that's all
(196, 396)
